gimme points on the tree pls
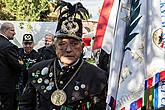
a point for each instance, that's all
(26, 10)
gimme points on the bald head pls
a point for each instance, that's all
(7, 29)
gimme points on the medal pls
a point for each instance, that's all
(58, 97)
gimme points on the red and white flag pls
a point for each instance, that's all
(106, 26)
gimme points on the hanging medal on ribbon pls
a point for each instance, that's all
(59, 97)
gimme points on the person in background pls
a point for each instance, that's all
(10, 67)
(104, 60)
(29, 57)
(67, 82)
(48, 50)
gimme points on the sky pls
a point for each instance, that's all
(93, 6)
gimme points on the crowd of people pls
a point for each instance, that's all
(55, 77)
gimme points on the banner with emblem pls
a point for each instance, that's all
(137, 69)
(155, 59)
(116, 56)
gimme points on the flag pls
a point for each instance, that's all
(137, 67)
(106, 25)
(136, 104)
(149, 94)
(127, 66)
(155, 52)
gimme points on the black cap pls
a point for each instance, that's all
(69, 28)
(28, 38)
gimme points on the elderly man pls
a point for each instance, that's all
(29, 57)
(66, 82)
(48, 50)
(10, 67)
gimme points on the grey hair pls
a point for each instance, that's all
(5, 26)
(50, 34)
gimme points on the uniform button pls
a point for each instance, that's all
(86, 93)
(83, 86)
(61, 82)
(45, 91)
(39, 80)
(34, 81)
(76, 88)
(42, 87)
(61, 73)
(46, 81)
(73, 98)
(50, 74)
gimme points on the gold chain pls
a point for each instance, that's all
(55, 77)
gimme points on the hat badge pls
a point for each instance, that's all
(27, 37)
(69, 26)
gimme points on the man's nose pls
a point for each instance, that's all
(68, 48)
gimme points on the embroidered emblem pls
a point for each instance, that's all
(69, 26)
(159, 39)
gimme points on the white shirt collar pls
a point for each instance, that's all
(62, 65)
(3, 36)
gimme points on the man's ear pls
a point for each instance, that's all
(54, 46)
(82, 43)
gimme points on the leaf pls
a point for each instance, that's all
(134, 4)
(132, 26)
(129, 38)
(135, 14)
(128, 48)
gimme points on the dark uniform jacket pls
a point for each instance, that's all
(47, 53)
(28, 60)
(86, 91)
(9, 66)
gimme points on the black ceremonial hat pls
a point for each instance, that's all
(28, 38)
(69, 27)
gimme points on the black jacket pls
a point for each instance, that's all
(28, 60)
(9, 66)
(87, 89)
(47, 53)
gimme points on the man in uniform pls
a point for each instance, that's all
(29, 57)
(10, 67)
(66, 82)
(48, 50)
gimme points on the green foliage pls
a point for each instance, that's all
(24, 10)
